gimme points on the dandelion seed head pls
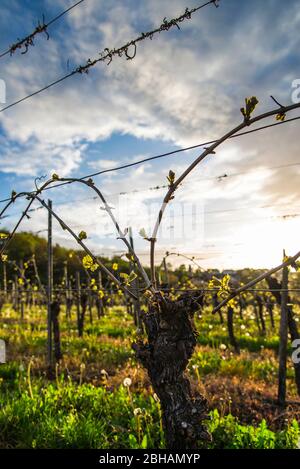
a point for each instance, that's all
(127, 382)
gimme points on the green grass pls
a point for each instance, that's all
(229, 434)
(65, 415)
(245, 365)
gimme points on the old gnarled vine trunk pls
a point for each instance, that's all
(275, 286)
(171, 342)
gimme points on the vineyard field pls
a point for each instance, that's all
(87, 405)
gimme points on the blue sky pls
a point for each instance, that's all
(183, 87)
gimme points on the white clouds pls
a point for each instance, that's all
(102, 164)
(174, 90)
(183, 87)
(36, 158)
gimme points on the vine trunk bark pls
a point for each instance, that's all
(275, 286)
(230, 328)
(171, 340)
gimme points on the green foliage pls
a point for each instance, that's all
(171, 178)
(249, 108)
(72, 416)
(89, 264)
(128, 279)
(281, 116)
(143, 234)
(82, 235)
(229, 434)
(96, 414)
(26, 244)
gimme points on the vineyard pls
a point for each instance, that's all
(78, 383)
(130, 317)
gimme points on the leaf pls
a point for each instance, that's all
(144, 443)
(130, 257)
(143, 233)
(171, 177)
(87, 262)
(250, 106)
(281, 116)
(133, 444)
(132, 277)
(115, 266)
(128, 279)
(94, 267)
(82, 235)
(123, 275)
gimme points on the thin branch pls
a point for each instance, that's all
(108, 54)
(37, 275)
(261, 277)
(90, 184)
(181, 255)
(11, 234)
(86, 249)
(120, 232)
(170, 153)
(40, 28)
(208, 151)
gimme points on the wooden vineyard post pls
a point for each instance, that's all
(55, 310)
(135, 285)
(283, 334)
(166, 272)
(230, 329)
(269, 307)
(17, 299)
(159, 278)
(90, 299)
(78, 299)
(260, 314)
(255, 310)
(275, 287)
(4, 281)
(49, 287)
(66, 284)
(14, 295)
(99, 300)
(22, 293)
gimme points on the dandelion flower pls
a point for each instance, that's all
(127, 382)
